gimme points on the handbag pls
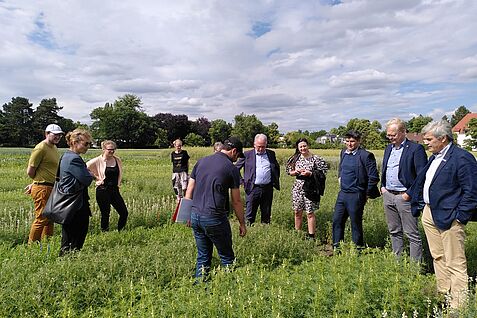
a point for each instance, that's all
(61, 207)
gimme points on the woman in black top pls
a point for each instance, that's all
(108, 170)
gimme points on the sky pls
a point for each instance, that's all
(302, 64)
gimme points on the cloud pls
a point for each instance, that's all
(304, 65)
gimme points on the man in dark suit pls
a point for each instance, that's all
(448, 187)
(358, 178)
(261, 175)
(402, 162)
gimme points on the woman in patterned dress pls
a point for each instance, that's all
(301, 165)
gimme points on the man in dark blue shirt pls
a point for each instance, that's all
(209, 183)
(358, 177)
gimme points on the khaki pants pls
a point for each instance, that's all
(41, 226)
(448, 253)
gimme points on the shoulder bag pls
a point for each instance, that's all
(61, 207)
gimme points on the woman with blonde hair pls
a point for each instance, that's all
(73, 178)
(107, 170)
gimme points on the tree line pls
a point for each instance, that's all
(126, 122)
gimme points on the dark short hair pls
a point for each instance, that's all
(353, 134)
(233, 142)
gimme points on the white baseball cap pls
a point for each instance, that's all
(53, 128)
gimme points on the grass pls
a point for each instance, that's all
(146, 271)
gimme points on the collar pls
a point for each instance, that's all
(401, 145)
(220, 153)
(443, 152)
(260, 154)
(351, 152)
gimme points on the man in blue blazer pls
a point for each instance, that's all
(448, 187)
(358, 178)
(402, 162)
(261, 175)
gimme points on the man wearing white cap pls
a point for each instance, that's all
(42, 168)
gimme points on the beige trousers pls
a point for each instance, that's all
(448, 252)
(41, 226)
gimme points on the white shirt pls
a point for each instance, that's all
(432, 171)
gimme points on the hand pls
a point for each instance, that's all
(243, 230)
(383, 190)
(28, 189)
(406, 197)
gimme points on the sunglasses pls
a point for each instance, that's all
(87, 143)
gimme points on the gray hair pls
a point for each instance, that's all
(261, 136)
(218, 146)
(439, 129)
(401, 125)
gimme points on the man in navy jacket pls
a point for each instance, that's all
(448, 187)
(261, 175)
(402, 162)
(358, 178)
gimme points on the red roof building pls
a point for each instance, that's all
(461, 126)
(461, 129)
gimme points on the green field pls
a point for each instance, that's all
(146, 270)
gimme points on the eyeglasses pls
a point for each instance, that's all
(87, 143)
(113, 150)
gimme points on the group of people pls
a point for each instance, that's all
(45, 167)
(443, 188)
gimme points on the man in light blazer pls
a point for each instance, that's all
(261, 175)
(448, 187)
(402, 162)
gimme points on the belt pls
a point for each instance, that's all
(262, 185)
(396, 192)
(44, 183)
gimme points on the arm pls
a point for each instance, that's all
(372, 170)
(383, 170)
(420, 162)
(78, 170)
(467, 176)
(238, 208)
(190, 189)
(420, 159)
(31, 171)
(92, 166)
(240, 163)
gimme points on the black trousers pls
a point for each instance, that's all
(260, 196)
(107, 196)
(74, 233)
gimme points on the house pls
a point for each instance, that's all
(461, 128)
(328, 138)
(416, 137)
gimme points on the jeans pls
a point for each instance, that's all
(210, 231)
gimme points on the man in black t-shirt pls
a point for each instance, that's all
(180, 169)
(209, 185)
